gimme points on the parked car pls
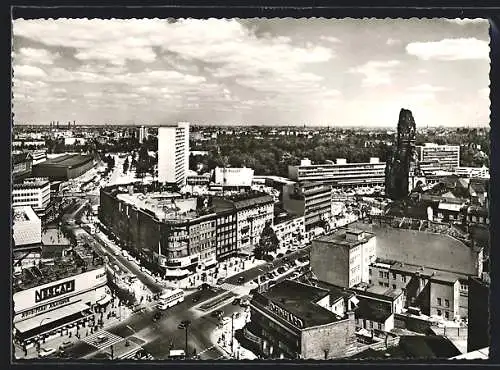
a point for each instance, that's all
(241, 280)
(225, 320)
(280, 255)
(47, 352)
(236, 301)
(244, 303)
(281, 270)
(220, 281)
(196, 297)
(157, 316)
(288, 251)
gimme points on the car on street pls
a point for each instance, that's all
(196, 298)
(116, 252)
(65, 345)
(46, 352)
(288, 251)
(241, 280)
(244, 303)
(236, 301)
(101, 339)
(143, 269)
(220, 281)
(217, 313)
(280, 255)
(157, 316)
(124, 253)
(281, 270)
(225, 320)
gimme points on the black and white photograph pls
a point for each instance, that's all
(250, 189)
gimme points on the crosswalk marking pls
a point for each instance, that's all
(111, 339)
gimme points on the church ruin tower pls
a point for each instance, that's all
(401, 162)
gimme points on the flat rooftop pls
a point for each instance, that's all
(80, 259)
(299, 299)
(339, 237)
(53, 236)
(166, 206)
(66, 160)
(428, 272)
(372, 290)
(30, 183)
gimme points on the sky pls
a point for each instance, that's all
(318, 72)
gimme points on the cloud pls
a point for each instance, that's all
(376, 73)
(330, 39)
(37, 56)
(26, 71)
(465, 21)
(426, 88)
(450, 49)
(391, 41)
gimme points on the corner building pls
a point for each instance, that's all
(298, 321)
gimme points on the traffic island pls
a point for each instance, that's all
(217, 301)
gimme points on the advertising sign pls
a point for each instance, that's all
(292, 319)
(57, 290)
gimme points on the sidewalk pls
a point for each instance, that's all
(122, 313)
(234, 265)
(222, 338)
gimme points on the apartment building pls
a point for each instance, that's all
(33, 192)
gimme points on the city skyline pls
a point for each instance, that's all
(253, 72)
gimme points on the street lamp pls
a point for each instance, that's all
(41, 322)
(185, 324)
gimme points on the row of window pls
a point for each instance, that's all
(440, 302)
(385, 275)
(360, 322)
(446, 313)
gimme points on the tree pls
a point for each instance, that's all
(268, 242)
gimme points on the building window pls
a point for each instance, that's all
(381, 274)
(447, 303)
(446, 314)
(439, 312)
(379, 325)
(403, 279)
(394, 276)
(380, 283)
(393, 286)
(370, 272)
(371, 324)
(439, 301)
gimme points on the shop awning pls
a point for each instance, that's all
(51, 316)
(104, 300)
(177, 272)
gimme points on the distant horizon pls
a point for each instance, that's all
(322, 72)
(291, 125)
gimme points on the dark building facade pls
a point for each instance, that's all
(226, 229)
(478, 332)
(21, 166)
(294, 320)
(65, 167)
(397, 171)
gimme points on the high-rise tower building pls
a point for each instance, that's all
(402, 159)
(143, 134)
(173, 153)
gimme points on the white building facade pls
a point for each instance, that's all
(173, 153)
(33, 192)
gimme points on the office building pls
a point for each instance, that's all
(342, 258)
(173, 153)
(38, 156)
(253, 210)
(447, 156)
(297, 321)
(312, 201)
(227, 234)
(340, 174)
(33, 192)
